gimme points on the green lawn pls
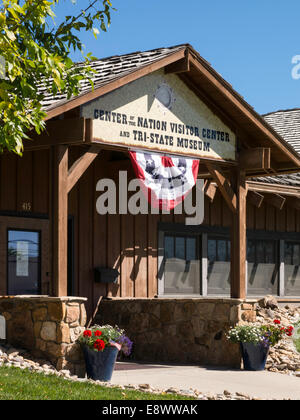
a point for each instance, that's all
(18, 384)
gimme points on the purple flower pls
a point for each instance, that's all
(265, 342)
(126, 344)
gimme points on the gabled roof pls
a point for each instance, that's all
(111, 68)
(287, 124)
(114, 72)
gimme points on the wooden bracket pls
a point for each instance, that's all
(210, 190)
(255, 198)
(81, 165)
(224, 186)
(275, 200)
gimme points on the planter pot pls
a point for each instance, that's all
(100, 364)
(254, 356)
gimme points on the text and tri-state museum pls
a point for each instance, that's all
(170, 279)
(162, 114)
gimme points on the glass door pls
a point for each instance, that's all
(25, 253)
(23, 262)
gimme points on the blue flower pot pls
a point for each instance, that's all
(100, 364)
(254, 356)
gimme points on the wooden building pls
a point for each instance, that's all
(52, 237)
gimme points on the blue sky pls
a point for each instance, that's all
(249, 42)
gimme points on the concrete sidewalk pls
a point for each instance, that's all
(264, 385)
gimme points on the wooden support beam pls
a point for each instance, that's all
(275, 200)
(60, 220)
(81, 165)
(210, 190)
(255, 198)
(180, 66)
(255, 159)
(238, 239)
(266, 187)
(224, 185)
(66, 131)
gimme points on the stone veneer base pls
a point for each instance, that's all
(48, 327)
(179, 330)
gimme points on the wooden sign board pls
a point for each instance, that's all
(159, 113)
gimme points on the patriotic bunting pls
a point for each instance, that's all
(165, 180)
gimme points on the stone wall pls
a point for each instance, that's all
(179, 330)
(48, 327)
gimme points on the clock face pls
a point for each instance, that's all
(164, 94)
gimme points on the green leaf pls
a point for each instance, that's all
(37, 54)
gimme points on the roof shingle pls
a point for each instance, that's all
(287, 124)
(111, 68)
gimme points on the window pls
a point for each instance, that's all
(197, 262)
(181, 264)
(263, 262)
(23, 262)
(218, 270)
(194, 263)
(292, 268)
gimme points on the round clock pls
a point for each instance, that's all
(164, 94)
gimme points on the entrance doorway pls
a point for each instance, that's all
(24, 256)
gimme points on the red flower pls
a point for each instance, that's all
(97, 333)
(99, 345)
(87, 333)
(276, 321)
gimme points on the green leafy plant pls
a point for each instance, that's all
(296, 337)
(36, 53)
(268, 335)
(98, 338)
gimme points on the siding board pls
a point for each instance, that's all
(8, 189)
(128, 243)
(25, 182)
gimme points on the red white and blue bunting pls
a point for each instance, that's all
(165, 180)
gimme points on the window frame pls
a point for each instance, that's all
(39, 232)
(161, 259)
(263, 238)
(204, 231)
(217, 237)
(282, 263)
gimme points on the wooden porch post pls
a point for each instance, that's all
(238, 238)
(60, 220)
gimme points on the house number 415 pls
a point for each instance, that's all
(26, 206)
